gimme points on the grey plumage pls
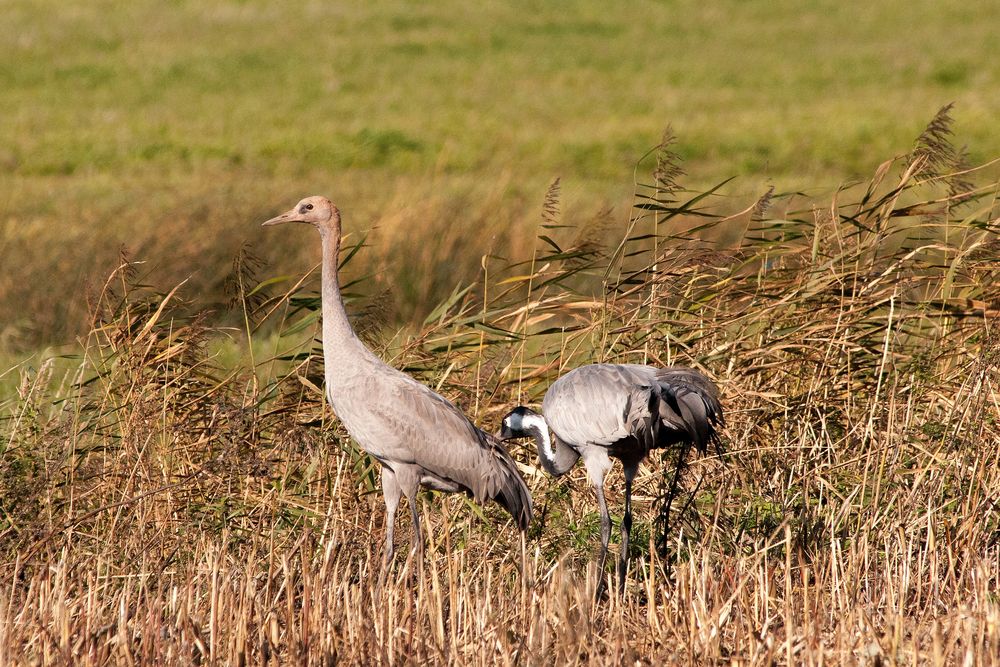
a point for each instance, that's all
(621, 411)
(417, 436)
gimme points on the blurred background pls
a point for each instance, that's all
(171, 129)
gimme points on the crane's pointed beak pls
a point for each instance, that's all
(288, 216)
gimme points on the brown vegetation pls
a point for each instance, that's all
(157, 506)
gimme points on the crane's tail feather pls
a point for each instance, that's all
(675, 407)
(692, 411)
(511, 492)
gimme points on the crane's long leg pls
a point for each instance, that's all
(602, 506)
(407, 480)
(597, 462)
(391, 492)
(417, 544)
(669, 500)
(630, 471)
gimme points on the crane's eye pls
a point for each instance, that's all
(309, 207)
(305, 207)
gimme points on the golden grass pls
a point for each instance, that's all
(161, 508)
(169, 127)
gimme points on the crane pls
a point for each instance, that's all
(601, 412)
(418, 437)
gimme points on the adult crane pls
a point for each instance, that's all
(622, 411)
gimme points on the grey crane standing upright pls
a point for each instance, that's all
(417, 436)
(605, 411)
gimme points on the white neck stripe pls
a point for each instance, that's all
(533, 421)
(537, 422)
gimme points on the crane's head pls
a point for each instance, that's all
(522, 422)
(316, 211)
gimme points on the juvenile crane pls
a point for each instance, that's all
(606, 411)
(417, 436)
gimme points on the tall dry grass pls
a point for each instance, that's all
(161, 507)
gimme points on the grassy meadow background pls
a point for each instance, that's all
(173, 488)
(172, 128)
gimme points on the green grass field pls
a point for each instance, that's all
(172, 128)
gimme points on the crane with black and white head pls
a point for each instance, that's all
(621, 411)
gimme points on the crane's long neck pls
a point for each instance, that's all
(556, 456)
(343, 351)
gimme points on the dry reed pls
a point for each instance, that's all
(160, 508)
